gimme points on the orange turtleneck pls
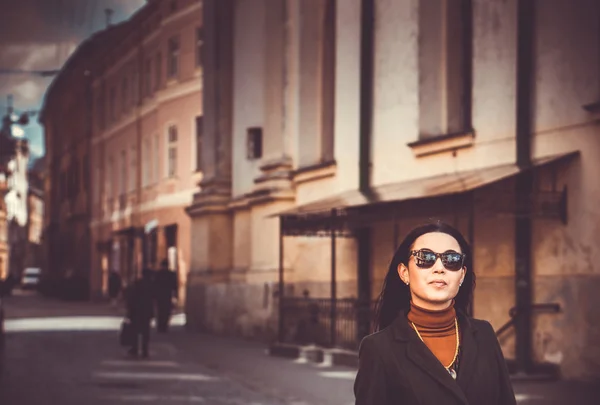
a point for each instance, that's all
(437, 329)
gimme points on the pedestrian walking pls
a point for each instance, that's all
(166, 292)
(140, 311)
(114, 286)
(426, 349)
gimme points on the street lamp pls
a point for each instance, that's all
(17, 132)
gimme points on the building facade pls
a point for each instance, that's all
(3, 231)
(14, 189)
(369, 117)
(18, 223)
(144, 106)
(66, 231)
(35, 256)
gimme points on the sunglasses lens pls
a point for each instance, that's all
(452, 261)
(425, 259)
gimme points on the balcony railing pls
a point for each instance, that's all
(308, 321)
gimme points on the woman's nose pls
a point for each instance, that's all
(438, 266)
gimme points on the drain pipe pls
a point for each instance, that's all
(363, 233)
(524, 183)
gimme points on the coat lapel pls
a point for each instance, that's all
(468, 351)
(422, 357)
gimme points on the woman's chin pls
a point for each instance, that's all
(439, 300)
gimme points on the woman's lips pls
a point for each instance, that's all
(438, 283)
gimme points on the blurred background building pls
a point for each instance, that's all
(364, 118)
(14, 190)
(121, 172)
(275, 152)
(35, 256)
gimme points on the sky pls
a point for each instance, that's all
(40, 35)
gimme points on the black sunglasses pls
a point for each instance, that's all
(426, 258)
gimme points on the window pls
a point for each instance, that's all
(85, 170)
(75, 177)
(318, 87)
(132, 168)
(148, 78)
(134, 86)
(173, 67)
(199, 46)
(172, 151)
(113, 104)
(63, 185)
(124, 93)
(147, 159)
(254, 143)
(444, 67)
(110, 176)
(100, 111)
(199, 132)
(156, 161)
(96, 184)
(158, 71)
(328, 83)
(123, 177)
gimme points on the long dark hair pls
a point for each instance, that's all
(395, 295)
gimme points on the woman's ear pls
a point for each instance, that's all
(403, 273)
(464, 273)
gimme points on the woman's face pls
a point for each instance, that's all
(434, 287)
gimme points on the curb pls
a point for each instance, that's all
(315, 354)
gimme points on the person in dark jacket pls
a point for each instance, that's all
(166, 291)
(426, 350)
(140, 311)
(114, 286)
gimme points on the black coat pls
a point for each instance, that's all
(396, 367)
(140, 301)
(166, 286)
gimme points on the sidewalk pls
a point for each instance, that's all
(305, 382)
(296, 382)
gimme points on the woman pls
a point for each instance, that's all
(426, 350)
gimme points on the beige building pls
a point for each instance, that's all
(386, 116)
(147, 121)
(35, 213)
(3, 230)
(124, 167)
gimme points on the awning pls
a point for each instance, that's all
(435, 186)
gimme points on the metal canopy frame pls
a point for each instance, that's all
(345, 221)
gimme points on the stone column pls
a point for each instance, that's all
(218, 95)
(212, 227)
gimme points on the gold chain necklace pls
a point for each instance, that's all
(451, 371)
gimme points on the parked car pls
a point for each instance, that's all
(31, 278)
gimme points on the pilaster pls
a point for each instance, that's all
(212, 227)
